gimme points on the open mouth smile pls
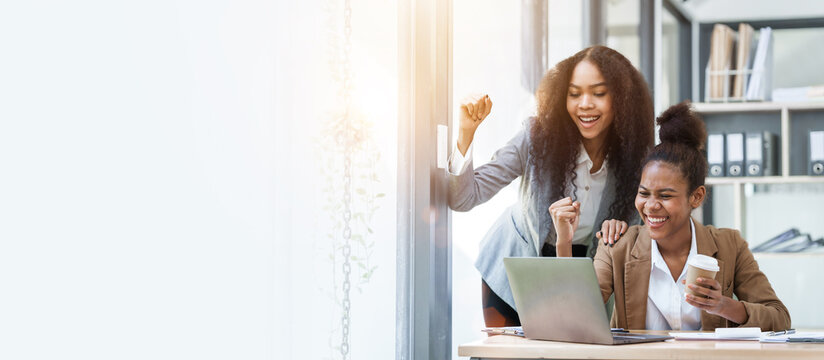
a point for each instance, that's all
(656, 221)
(588, 120)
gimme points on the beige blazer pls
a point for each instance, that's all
(624, 270)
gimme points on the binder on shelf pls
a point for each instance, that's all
(760, 84)
(715, 155)
(816, 153)
(761, 154)
(735, 154)
(743, 60)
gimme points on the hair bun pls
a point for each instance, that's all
(679, 124)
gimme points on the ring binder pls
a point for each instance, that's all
(816, 153)
(715, 155)
(761, 154)
(735, 154)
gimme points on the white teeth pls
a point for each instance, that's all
(589, 118)
(656, 220)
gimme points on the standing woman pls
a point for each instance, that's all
(579, 163)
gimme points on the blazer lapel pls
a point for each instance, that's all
(636, 282)
(706, 246)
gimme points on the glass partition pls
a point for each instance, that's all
(623, 18)
(338, 174)
(489, 57)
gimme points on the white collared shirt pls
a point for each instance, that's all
(667, 309)
(589, 189)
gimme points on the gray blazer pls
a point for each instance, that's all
(523, 228)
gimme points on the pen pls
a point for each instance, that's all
(782, 332)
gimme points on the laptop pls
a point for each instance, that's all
(559, 299)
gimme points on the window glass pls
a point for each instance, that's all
(489, 58)
(313, 248)
(623, 18)
(669, 92)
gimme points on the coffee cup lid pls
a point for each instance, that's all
(704, 262)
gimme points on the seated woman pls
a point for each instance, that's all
(646, 268)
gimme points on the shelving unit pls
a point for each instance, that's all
(765, 206)
(721, 117)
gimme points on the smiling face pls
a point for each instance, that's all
(589, 104)
(665, 202)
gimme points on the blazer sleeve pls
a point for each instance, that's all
(603, 270)
(475, 186)
(753, 289)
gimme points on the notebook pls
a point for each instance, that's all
(559, 299)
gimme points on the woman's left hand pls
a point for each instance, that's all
(611, 230)
(714, 302)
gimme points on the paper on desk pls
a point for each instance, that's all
(505, 330)
(744, 333)
(811, 336)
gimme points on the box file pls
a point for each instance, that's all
(715, 155)
(735, 154)
(816, 153)
(761, 154)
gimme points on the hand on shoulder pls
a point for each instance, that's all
(611, 231)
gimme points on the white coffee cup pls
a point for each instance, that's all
(701, 266)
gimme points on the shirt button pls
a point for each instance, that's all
(586, 188)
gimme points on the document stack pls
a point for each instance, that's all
(760, 87)
(738, 70)
(721, 46)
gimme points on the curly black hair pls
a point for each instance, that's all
(556, 141)
(682, 135)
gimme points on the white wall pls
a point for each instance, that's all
(138, 163)
(792, 70)
(156, 191)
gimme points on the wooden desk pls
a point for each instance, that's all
(513, 347)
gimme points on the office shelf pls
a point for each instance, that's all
(761, 207)
(739, 107)
(789, 120)
(764, 180)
